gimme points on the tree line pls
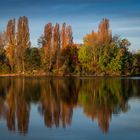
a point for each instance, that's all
(100, 54)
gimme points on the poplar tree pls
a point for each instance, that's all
(11, 43)
(63, 35)
(66, 35)
(104, 33)
(56, 45)
(69, 36)
(23, 42)
(47, 45)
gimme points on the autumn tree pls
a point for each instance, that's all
(56, 44)
(69, 36)
(66, 35)
(2, 41)
(48, 37)
(91, 40)
(102, 36)
(2, 45)
(69, 51)
(47, 45)
(110, 54)
(11, 43)
(23, 41)
(63, 35)
(104, 33)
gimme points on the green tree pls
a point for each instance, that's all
(32, 59)
(136, 63)
(69, 58)
(86, 56)
(121, 59)
(4, 67)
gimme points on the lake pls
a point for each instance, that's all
(69, 108)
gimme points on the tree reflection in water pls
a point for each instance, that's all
(57, 98)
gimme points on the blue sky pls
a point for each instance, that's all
(82, 15)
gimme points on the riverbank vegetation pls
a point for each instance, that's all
(57, 54)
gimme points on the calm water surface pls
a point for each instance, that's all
(69, 109)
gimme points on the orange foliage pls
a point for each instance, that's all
(103, 36)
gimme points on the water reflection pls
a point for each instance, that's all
(56, 99)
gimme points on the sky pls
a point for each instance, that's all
(82, 15)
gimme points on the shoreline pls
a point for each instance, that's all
(64, 76)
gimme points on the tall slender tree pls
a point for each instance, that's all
(23, 41)
(2, 41)
(47, 45)
(48, 38)
(56, 38)
(69, 36)
(11, 43)
(104, 33)
(63, 35)
(66, 35)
